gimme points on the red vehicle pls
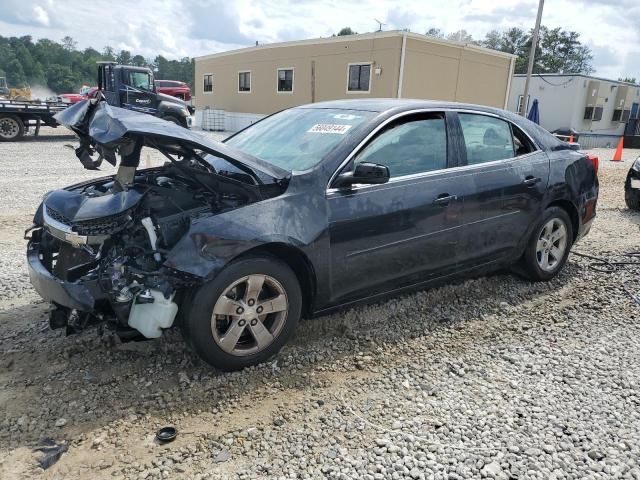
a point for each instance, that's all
(76, 97)
(174, 88)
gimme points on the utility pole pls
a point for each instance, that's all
(532, 55)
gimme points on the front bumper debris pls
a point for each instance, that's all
(74, 295)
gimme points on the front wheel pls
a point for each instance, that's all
(549, 245)
(246, 314)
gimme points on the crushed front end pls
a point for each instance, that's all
(97, 253)
(98, 250)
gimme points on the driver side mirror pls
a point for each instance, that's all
(366, 173)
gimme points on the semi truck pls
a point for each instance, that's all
(123, 86)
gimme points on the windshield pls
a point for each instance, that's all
(297, 139)
(140, 80)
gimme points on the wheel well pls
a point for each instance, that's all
(570, 208)
(301, 266)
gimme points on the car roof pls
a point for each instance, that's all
(399, 104)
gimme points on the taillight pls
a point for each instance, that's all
(595, 161)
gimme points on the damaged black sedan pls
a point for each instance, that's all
(309, 210)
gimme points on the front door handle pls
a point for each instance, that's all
(444, 199)
(530, 181)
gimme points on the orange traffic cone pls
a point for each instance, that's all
(617, 157)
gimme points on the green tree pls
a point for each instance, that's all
(69, 44)
(63, 68)
(558, 51)
(139, 61)
(346, 31)
(108, 53)
(460, 36)
(435, 32)
(124, 57)
(627, 79)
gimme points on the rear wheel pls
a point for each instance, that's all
(549, 245)
(246, 314)
(11, 128)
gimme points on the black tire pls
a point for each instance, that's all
(198, 325)
(632, 199)
(530, 266)
(11, 128)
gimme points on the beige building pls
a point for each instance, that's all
(256, 81)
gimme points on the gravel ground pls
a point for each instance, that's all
(493, 377)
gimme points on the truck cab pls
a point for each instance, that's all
(130, 87)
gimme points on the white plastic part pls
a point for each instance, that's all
(147, 223)
(150, 318)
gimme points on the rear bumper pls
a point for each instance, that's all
(76, 295)
(584, 229)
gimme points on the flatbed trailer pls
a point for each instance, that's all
(18, 117)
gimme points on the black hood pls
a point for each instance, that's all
(113, 127)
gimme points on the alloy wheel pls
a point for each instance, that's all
(9, 128)
(249, 315)
(552, 244)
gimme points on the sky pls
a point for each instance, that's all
(188, 28)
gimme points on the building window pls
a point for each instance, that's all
(207, 83)
(244, 81)
(588, 113)
(359, 78)
(597, 114)
(519, 110)
(285, 80)
(625, 115)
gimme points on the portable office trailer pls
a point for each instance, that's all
(256, 81)
(582, 103)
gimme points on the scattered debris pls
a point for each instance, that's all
(51, 450)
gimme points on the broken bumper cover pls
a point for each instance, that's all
(75, 295)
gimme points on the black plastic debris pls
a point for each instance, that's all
(166, 434)
(51, 451)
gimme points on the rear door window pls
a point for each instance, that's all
(486, 138)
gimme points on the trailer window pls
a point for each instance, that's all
(244, 82)
(359, 77)
(285, 80)
(207, 83)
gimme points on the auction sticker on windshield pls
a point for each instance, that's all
(329, 128)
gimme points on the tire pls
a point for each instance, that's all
(11, 128)
(212, 335)
(632, 199)
(533, 260)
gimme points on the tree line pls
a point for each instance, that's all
(558, 50)
(63, 68)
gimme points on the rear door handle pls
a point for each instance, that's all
(444, 199)
(530, 181)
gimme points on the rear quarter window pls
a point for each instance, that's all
(486, 138)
